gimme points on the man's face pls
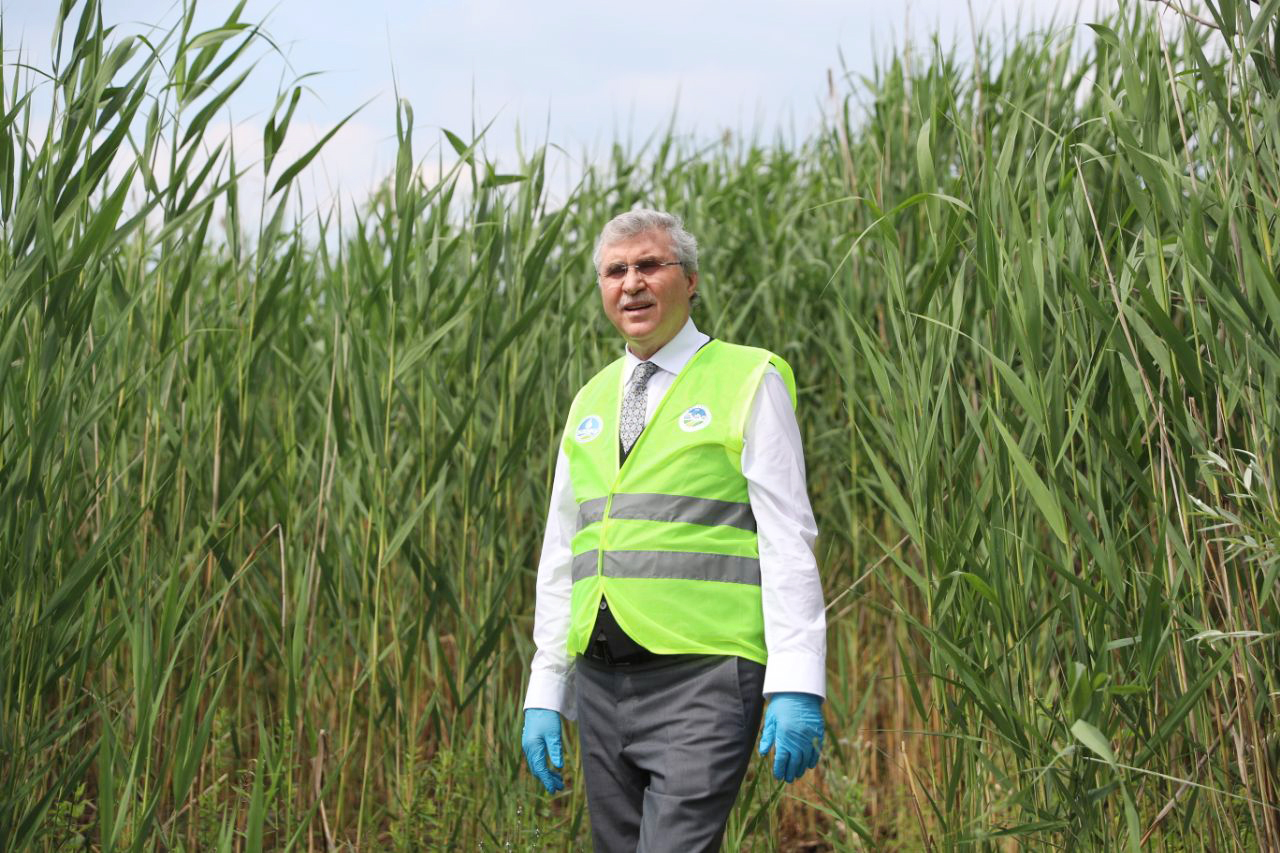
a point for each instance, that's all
(646, 310)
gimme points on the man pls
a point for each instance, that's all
(677, 587)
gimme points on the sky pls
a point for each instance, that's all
(574, 74)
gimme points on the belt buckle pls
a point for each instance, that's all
(600, 651)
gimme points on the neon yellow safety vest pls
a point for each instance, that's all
(668, 537)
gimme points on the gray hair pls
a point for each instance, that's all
(627, 225)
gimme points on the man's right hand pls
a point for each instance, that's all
(541, 739)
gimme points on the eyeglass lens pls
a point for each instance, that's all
(647, 267)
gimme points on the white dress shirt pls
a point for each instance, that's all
(795, 625)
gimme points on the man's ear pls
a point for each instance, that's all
(693, 283)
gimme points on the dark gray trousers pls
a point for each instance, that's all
(664, 748)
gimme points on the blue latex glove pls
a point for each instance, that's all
(540, 739)
(793, 726)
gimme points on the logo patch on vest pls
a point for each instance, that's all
(588, 429)
(695, 418)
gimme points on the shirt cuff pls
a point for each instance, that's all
(795, 672)
(553, 692)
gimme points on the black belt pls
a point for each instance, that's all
(611, 646)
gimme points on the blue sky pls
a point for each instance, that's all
(573, 73)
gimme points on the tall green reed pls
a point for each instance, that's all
(270, 502)
(1072, 332)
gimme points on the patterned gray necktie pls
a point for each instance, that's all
(632, 422)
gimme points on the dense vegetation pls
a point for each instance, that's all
(271, 498)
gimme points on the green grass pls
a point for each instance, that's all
(270, 501)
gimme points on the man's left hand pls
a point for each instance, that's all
(793, 726)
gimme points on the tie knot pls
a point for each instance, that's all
(643, 373)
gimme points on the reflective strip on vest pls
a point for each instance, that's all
(649, 507)
(676, 565)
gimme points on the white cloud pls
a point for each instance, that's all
(574, 73)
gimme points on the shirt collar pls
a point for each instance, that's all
(675, 353)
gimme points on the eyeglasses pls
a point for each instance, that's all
(646, 268)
